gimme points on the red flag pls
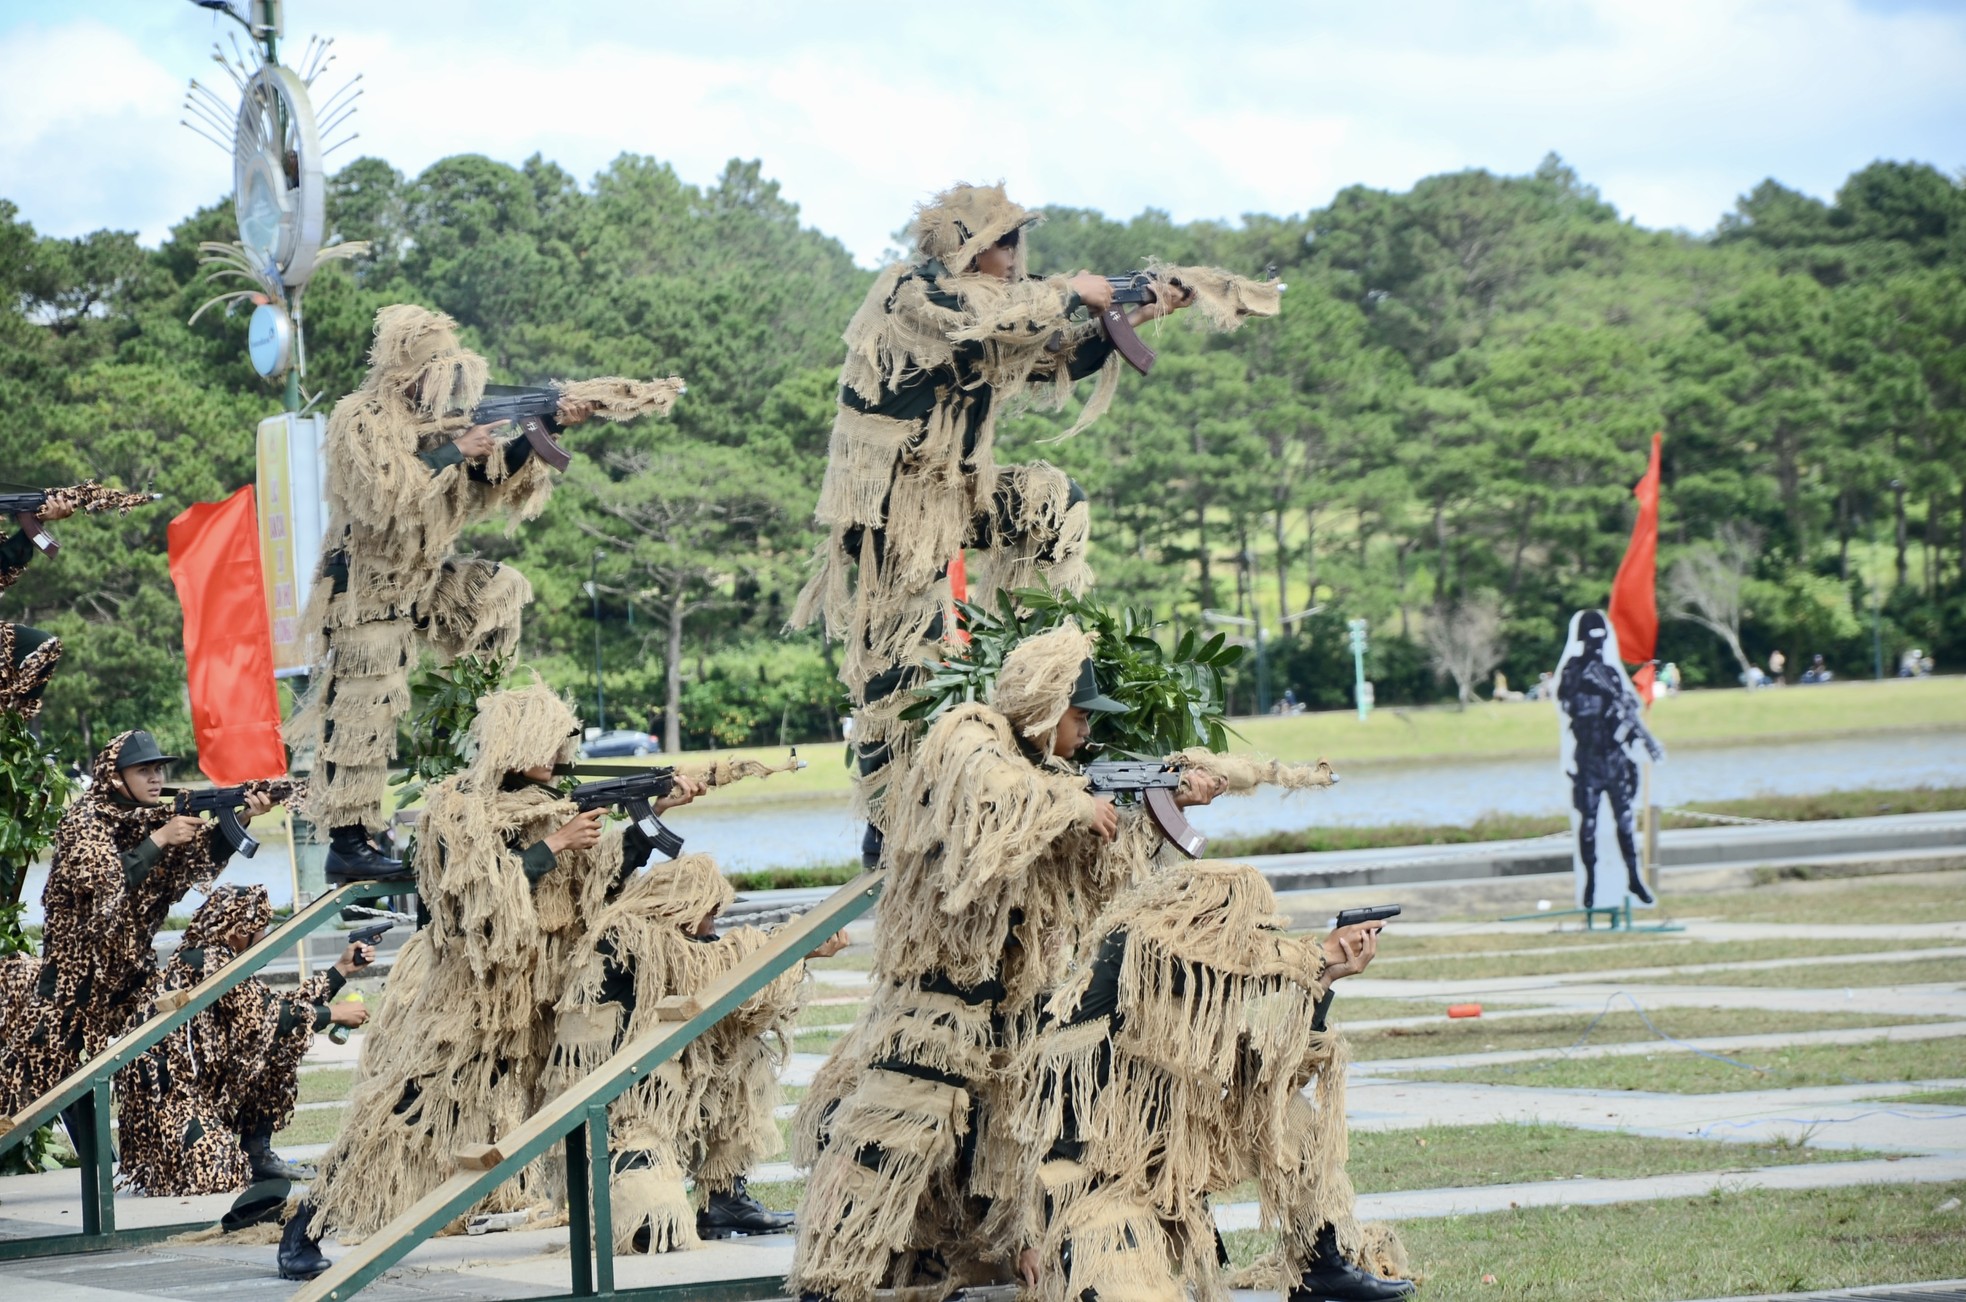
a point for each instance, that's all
(1634, 594)
(958, 591)
(228, 640)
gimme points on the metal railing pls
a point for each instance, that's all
(87, 1088)
(579, 1116)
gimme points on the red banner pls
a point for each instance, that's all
(228, 640)
(1634, 593)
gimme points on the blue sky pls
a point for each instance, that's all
(1671, 107)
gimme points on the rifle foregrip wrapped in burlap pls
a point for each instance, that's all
(618, 398)
(1245, 773)
(93, 497)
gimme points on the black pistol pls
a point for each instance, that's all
(368, 935)
(1153, 783)
(631, 793)
(1373, 913)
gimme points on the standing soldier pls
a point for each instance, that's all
(121, 859)
(940, 349)
(198, 1112)
(407, 473)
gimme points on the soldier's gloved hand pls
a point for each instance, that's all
(181, 830)
(581, 832)
(257, 803)
(54, 509)
(348, 1013)
(573, 411)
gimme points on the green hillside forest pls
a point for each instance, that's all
(1439, 435)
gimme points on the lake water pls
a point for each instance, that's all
(1436, 792)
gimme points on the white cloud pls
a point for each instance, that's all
(1672, 108)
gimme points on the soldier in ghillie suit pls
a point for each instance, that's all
(197, 1113)
(1174, 1067)
(1001, 855)
(939, 351)
(121, 858)
(407, 473)
(512, 877)
(705, 1116)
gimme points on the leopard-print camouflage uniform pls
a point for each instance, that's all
(108, 894)
(231, 1070)
(27, 655)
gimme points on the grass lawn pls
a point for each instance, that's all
(1596, 956)
(1445, 1157)
(1755, 1241)
(1920, 897)
(315, 1126)
(830, 1014)
(1679, 1072)
(326, 1084)
(1560, 1030)
(1930, 1098)
(1347, 1011)
(1918, 972)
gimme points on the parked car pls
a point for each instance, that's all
(611, 745)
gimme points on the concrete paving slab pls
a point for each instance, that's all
(1724, 1044)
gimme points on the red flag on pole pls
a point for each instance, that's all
(1634, 593)
(228, 640)
(958, 591)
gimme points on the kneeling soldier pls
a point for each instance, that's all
(707, 1115)
(1175, 1068)
(198, 1112)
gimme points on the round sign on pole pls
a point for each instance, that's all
(270, 339)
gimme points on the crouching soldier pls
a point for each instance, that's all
(1174, 1067)
(121, 859)
(705, 1116)
(198, 1112)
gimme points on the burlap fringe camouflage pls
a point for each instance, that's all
(467, 1019)
(706, 1114)
(1202, 1087)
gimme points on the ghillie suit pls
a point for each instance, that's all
(1172, 1067)
(936, 355)
(914, 1173)
(231, 1073)
(399, 494)
(28, 656)
(706, 1115)
(454, 1054)
(110, 889)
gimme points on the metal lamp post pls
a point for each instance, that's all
(594, 594)
(1262, 654)
(1361, 690)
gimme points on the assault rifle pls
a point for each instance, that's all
(632, 789)
(223, 804)
(527, 408)
(1153, 783)
(25, 506)
(632, 793)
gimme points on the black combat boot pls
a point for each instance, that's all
(352, 858)
(1331, 1278)
(267, 1164)
(300, 1252)
(733, 1212)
